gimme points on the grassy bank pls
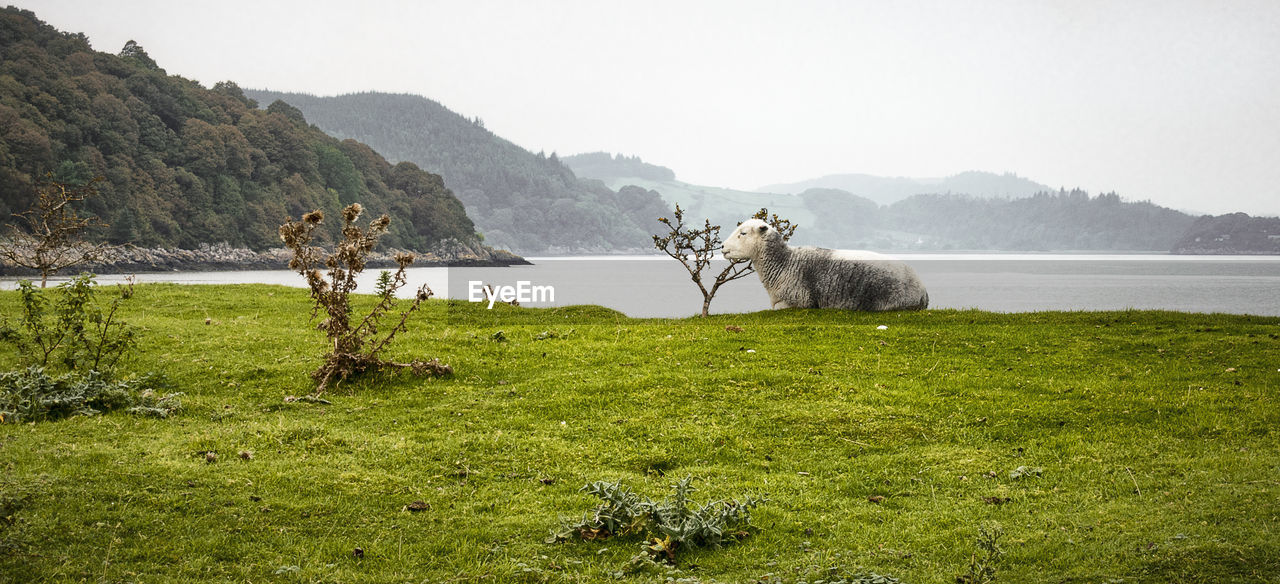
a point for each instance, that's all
(1147, 444)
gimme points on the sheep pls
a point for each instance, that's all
(814, 277)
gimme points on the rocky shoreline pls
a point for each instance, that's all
(223, 257)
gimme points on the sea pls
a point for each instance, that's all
(659, 286)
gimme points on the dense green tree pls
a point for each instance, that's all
(185, 165)
(133, 51)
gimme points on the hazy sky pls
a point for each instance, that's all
(1173, 101)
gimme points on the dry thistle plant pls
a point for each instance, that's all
(695, 248)
(356, 344)
(52, 240)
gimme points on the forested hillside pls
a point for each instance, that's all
(185, 165)
(1231, 234)
(526, 202)
(1047, 221)
(606, 167)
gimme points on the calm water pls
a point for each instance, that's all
(659, 286)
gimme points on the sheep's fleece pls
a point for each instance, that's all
(813, 277)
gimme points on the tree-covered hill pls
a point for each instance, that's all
(1231, 234)
(185, 165)
(606, 167)
(529, 203)
(1047, 221)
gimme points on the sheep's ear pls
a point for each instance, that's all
(763, 229)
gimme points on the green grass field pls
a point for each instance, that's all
(880, 451)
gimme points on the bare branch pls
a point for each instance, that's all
(696, 248)
(52, 238)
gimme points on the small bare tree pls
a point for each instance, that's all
(52, 237)
(355, 344)
(695, 248)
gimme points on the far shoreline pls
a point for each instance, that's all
(211, 258)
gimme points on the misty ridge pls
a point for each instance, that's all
(608, 203)
(186, 166)
(971, 211)
(525, 202)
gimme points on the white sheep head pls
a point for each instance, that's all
(748, 240)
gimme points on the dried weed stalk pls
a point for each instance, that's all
(356, 344)
(695, 248)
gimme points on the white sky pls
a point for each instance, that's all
(1176, 101)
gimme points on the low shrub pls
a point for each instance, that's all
(666, 526)
(32, 395)
(70, 328)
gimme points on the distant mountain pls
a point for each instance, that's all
(1047, 221)
(885, 190)
(724, 207)
(842, 219)
(529, 203)
(971, 211)
(186, 166)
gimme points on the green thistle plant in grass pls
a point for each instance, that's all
(35, 396)
(982, 564)
(666, 526)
